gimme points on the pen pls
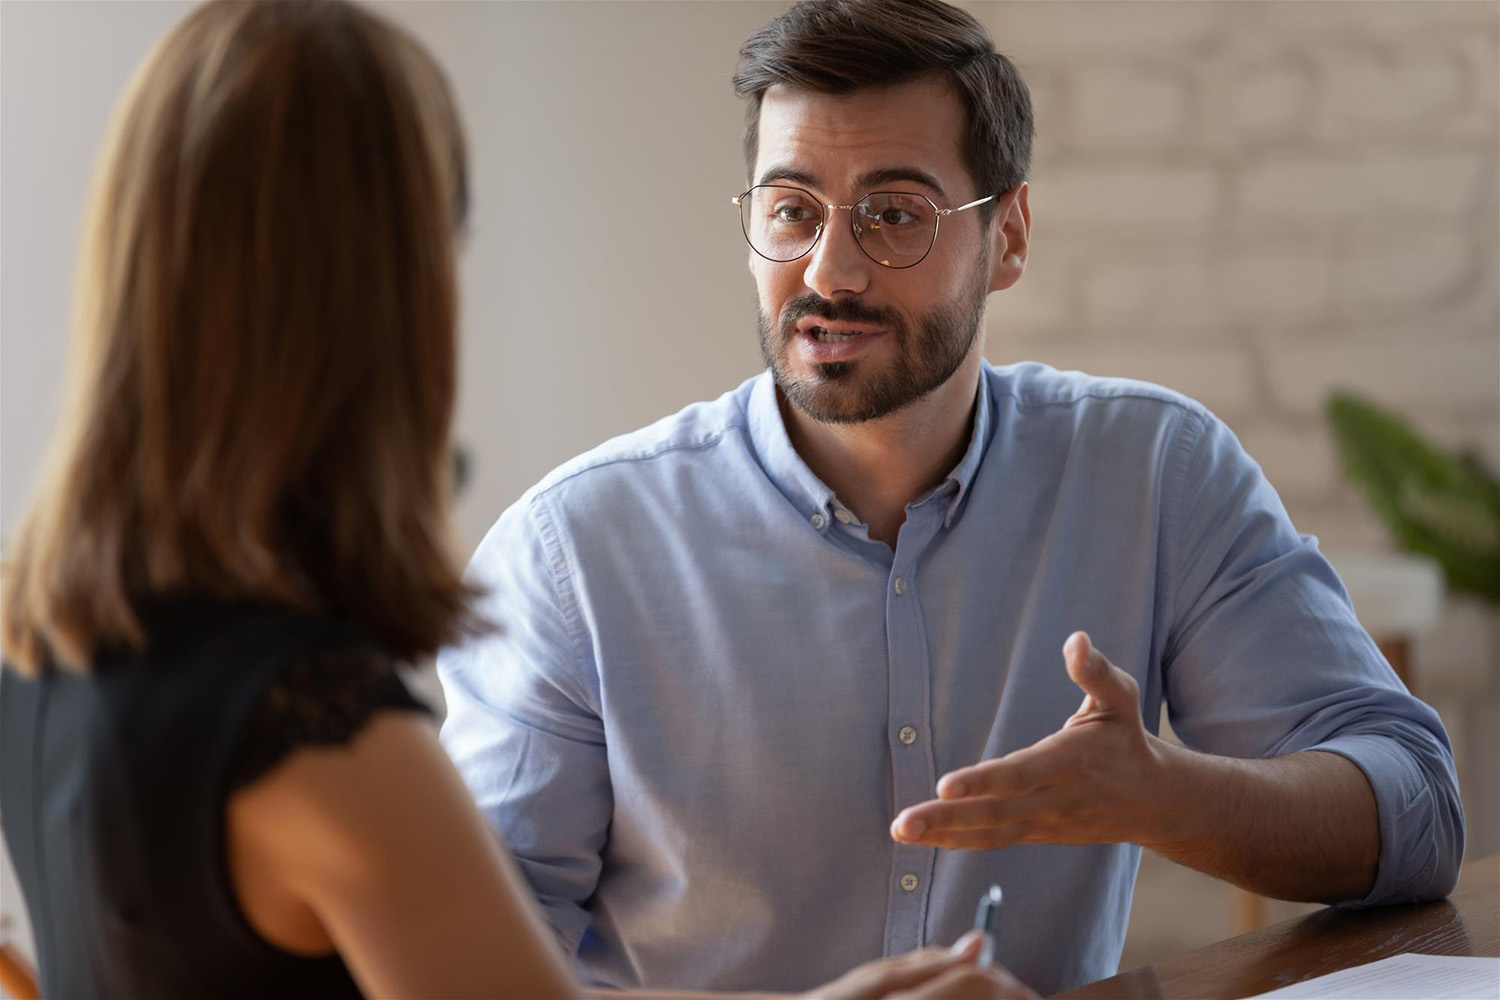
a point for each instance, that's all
(987, 922)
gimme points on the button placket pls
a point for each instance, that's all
(912, 776)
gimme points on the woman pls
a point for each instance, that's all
(213, 781)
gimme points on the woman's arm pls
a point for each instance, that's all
(376, 848)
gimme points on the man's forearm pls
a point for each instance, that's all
(1302, 827)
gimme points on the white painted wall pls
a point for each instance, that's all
(591, 306)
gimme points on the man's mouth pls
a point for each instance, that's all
(833, 332)
(820, 340)
(823, 335)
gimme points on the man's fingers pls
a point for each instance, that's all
(975, 840)
(1016, 773)
(983, 823)
(1111, 690)
(981, 813)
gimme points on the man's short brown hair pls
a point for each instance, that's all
(840, 46)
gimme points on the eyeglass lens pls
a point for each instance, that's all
(783, 223)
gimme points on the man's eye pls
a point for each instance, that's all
(896, 217)
(792, 213)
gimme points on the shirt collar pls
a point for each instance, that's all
(783, 465)
(979, 443)
(811, 496)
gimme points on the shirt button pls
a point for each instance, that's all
(818, 520)
(908, 735)
(900, 585)
(909, 882)
(843, 515)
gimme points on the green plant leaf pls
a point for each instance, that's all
(1442, 505)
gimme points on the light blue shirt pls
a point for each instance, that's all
(712, 692)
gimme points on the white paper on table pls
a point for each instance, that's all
(1405, 977)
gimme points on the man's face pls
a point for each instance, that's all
(846, 338)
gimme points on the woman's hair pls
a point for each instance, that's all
(262, 371)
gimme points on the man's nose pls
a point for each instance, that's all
(836, 265)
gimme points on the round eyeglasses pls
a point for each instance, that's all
(894, 228)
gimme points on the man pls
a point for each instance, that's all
(786, 680)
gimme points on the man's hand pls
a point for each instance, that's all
(1091, 782)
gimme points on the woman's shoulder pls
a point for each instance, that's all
(248, 682)
(320, 694)
(198, 626)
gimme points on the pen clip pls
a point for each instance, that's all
(987, 922)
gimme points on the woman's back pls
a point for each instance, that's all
(259, 404)
(114, 785)
(259, 408)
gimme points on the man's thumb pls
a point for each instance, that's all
(1109, 687)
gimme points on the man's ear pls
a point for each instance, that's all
(1012, 238)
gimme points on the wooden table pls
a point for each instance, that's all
(1467, 923)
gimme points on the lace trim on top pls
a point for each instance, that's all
(320, 698)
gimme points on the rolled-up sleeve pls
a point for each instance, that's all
(1265, 657)
(523, 723)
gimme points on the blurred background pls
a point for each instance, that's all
(1256, 203)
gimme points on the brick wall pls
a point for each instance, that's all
(1257, 202)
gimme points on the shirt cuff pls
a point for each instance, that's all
(1407, 808)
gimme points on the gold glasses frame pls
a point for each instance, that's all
(828, 209)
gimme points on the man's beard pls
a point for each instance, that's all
(851, 392)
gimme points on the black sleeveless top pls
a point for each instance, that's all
(113, 788)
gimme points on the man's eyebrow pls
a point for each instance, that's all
(885, 175)
(866, 182)
(774, 174)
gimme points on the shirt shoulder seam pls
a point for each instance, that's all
(644, 455)
(564, 593)
(1183, 450)
(1186, 405)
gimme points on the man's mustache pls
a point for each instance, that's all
(842, 310)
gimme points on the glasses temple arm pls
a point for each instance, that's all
(950, 211)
